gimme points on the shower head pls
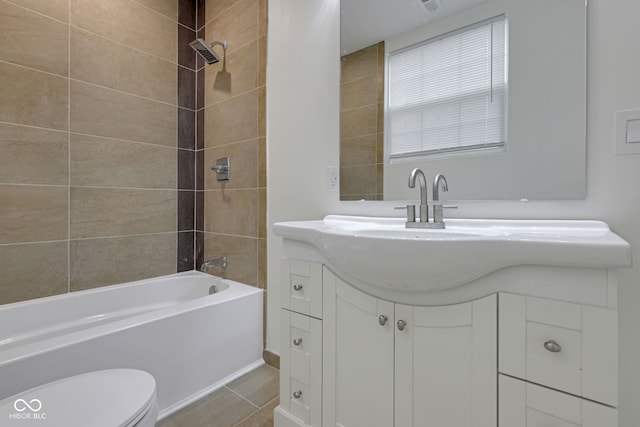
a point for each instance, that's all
(206, 50)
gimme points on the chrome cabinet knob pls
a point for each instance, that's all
(297, 287)
(297, 341)
(552, 346)
(382, 319)
(297, 394)
(401, 324)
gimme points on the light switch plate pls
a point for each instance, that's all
(628, 132)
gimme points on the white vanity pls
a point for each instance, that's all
(484, 323)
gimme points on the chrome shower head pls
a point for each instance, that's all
(206, 50)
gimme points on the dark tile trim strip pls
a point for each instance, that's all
(189, 243)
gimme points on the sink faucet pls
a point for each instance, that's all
(216, 262)
(424, 209)
(438, 216)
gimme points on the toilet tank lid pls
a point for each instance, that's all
(109, 398)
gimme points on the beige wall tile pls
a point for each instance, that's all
(231, 212)
(244, 165)
(238, 24)
(215, 7)
(262, 111)
(239, 75)
(32, 270)
(262, 17)
(358, 180)
(241, 252)
(359, 64)
(30, 213)
(262, 213)
(33, 40)
(358, 122)
(58, 9)
(262, 162)
(168, 8)
(104, 162)
(231, 120)
(33, 156)
(262, 263)
(361, 150)
(97, 212)
(104, 112)
(359, 92)
(95, 59)
(121, 259)
(33, 98)
(128, 22)
(262, 61)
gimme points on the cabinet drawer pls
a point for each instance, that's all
(569, 347)
(305, 346)
(301, 367)
(302, 287)
(527, 405)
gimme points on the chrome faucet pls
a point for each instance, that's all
(438, 217)
(439, 182)
(424, 208)
(216, 262)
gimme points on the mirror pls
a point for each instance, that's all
(545, 150)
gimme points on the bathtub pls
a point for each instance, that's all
(191, 341)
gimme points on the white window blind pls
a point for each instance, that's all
(448, 94)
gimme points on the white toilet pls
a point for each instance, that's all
(109, 398)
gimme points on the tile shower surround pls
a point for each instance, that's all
(97, 151)
(104, 152)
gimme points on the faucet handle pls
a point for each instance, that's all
(411, 212)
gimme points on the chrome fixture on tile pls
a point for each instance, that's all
(205, 50)
(423, 222)
(216, 262)
(223, 169)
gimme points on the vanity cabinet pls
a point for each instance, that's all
(301, 336)
(398, 365)
(350, 359)
(558, 363)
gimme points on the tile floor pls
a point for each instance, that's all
(248, 401)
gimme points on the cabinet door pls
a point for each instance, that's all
(524, 404)
(358, 356)
(446, 365)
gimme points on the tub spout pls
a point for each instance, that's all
(216, 262)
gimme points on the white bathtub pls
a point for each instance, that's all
(190, 341)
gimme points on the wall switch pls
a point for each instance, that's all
(628, 132)
(333, 178)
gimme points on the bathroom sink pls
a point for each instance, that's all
(381, 252)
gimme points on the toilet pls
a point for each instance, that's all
(109, 398)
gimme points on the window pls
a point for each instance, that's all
(447, 94)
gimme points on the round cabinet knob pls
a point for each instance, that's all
(552, 346)
(297, 287)
(382, 319)
(297, 394)
(401, 324)
(297, 341)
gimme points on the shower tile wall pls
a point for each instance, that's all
(97, 152)
(362, 124)
(232, 213)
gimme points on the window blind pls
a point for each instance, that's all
(448, 94)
